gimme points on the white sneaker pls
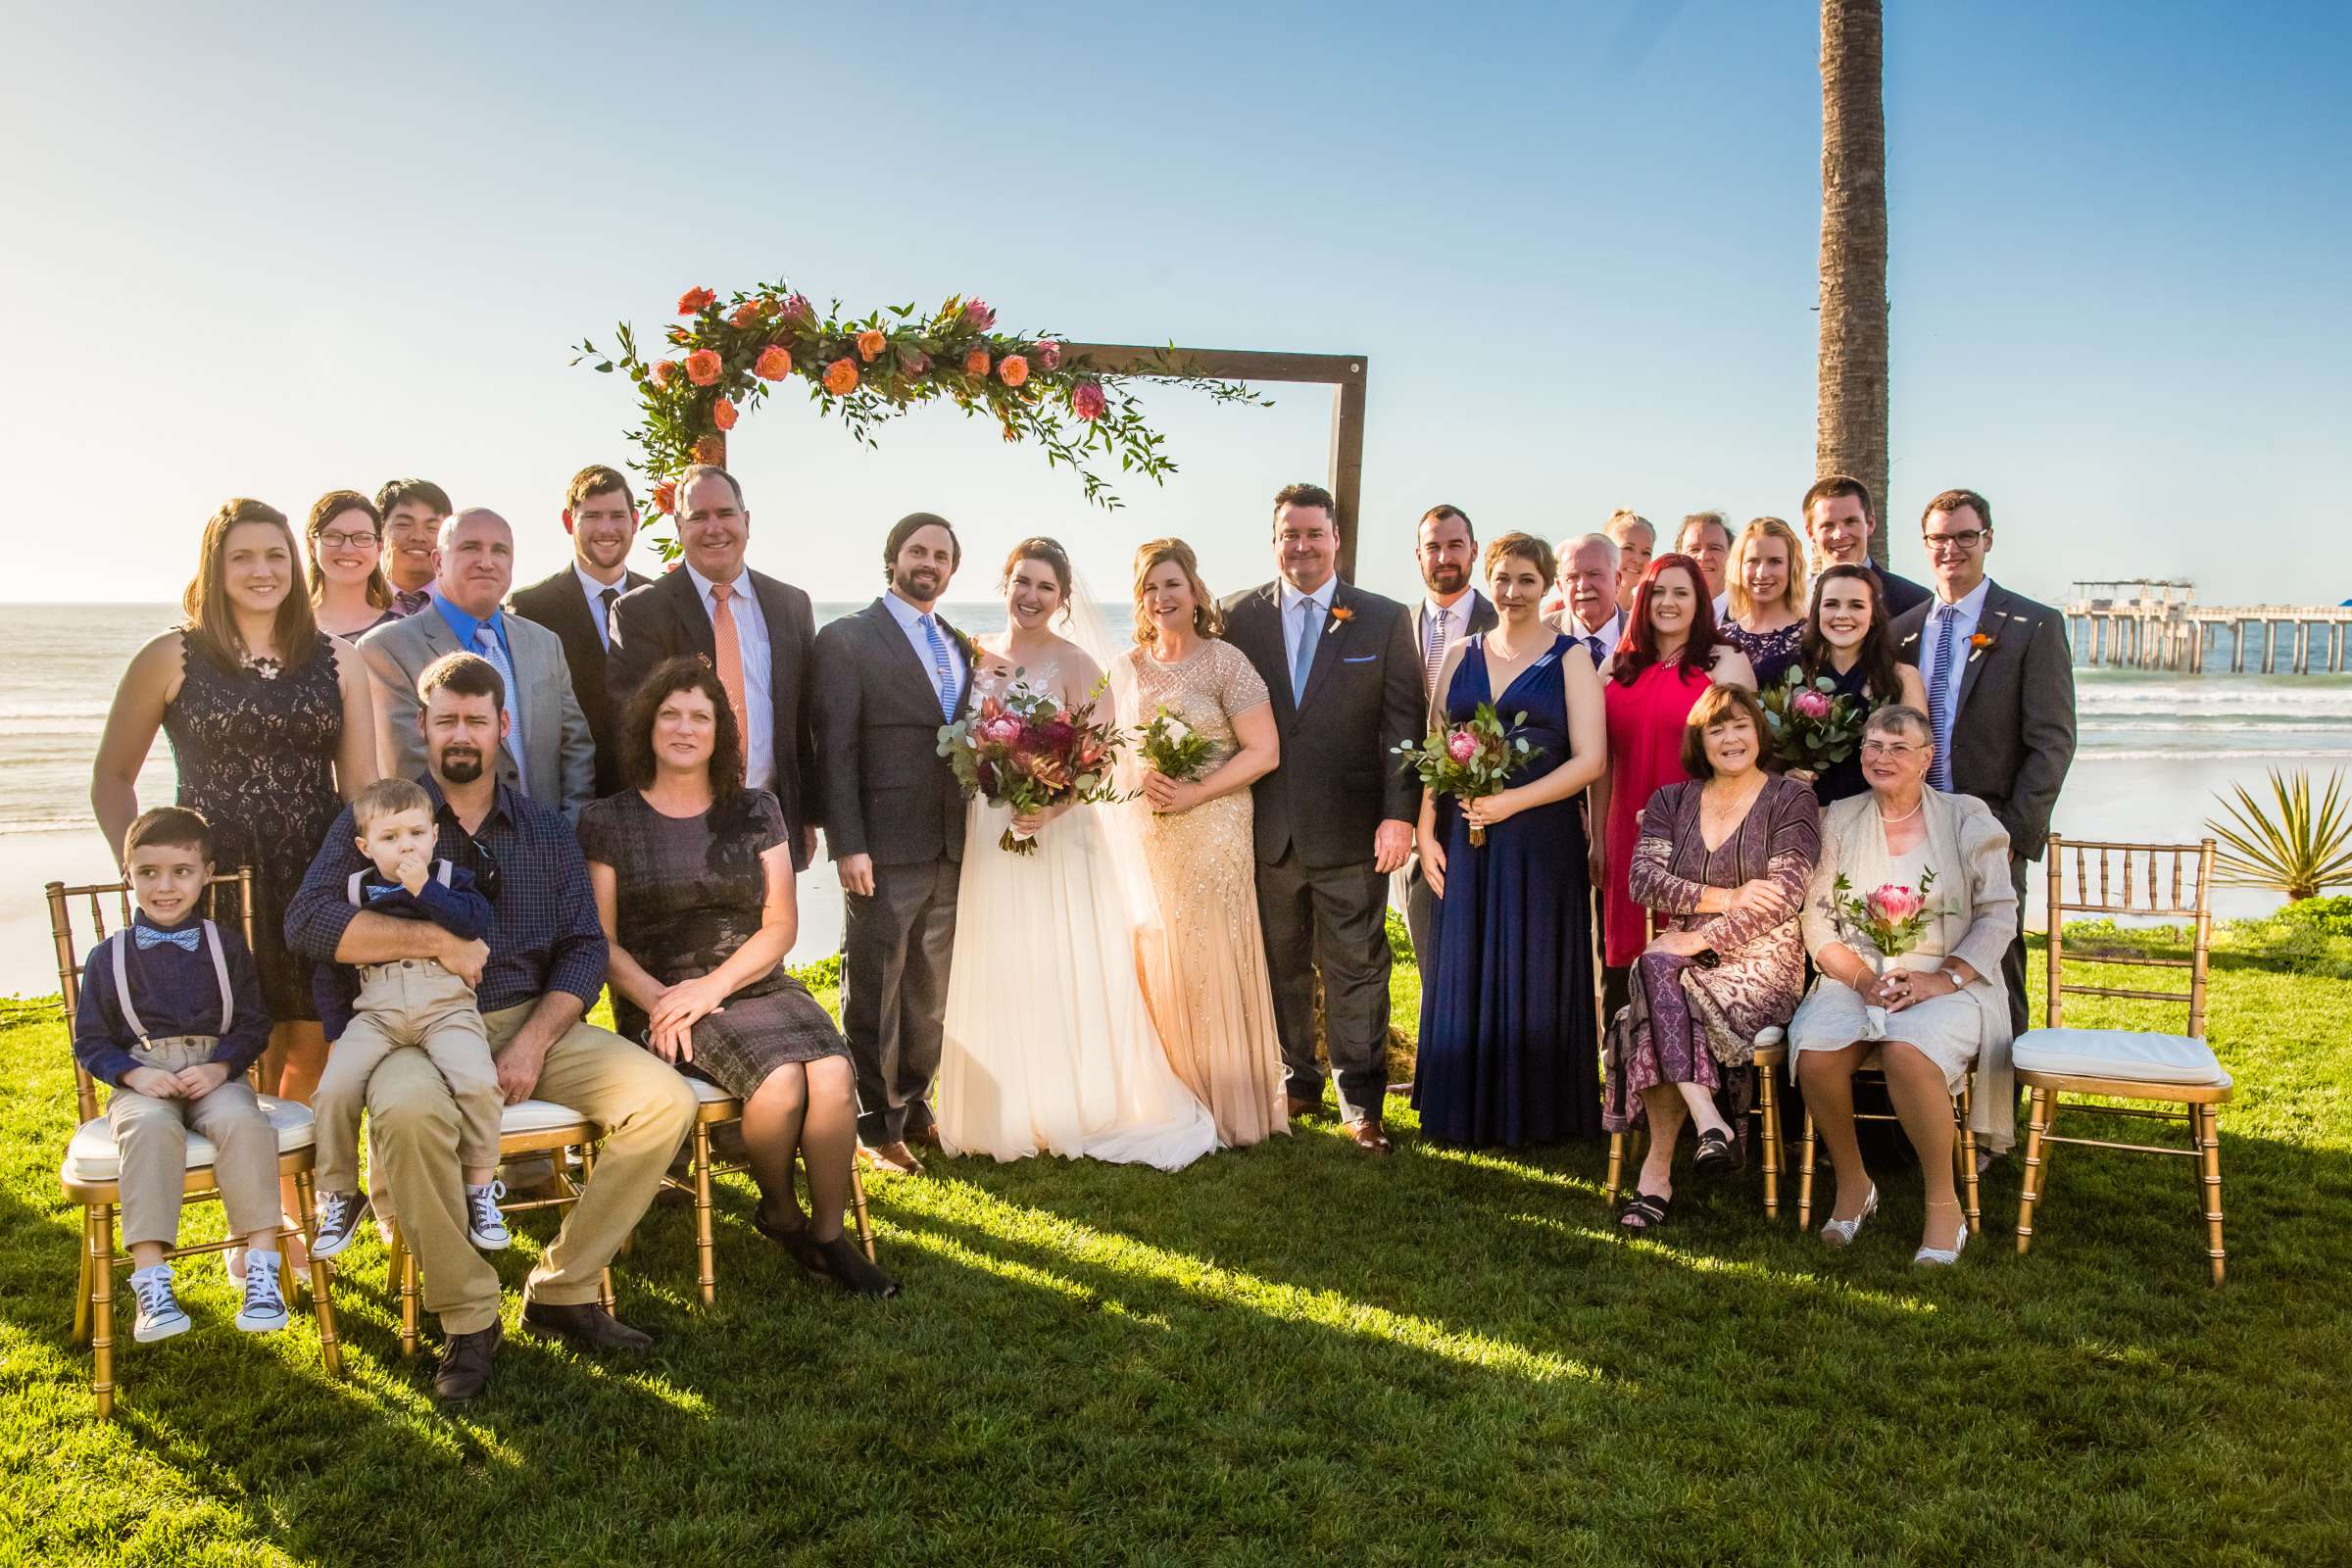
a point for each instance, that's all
(160, 1313)
(485, 1226)
(264, 1308)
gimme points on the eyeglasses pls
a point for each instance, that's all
(1898, 750)
(347, 541)
(1963, 540)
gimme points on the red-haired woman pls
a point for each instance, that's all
(1670, 654)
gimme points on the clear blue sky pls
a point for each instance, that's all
(275, 250)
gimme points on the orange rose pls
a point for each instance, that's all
(773, 365)
(663, 370)
(745, 314)
(841, 376)
(712, 449)
(723, 414)
(695, 301)
(975, 364)
(1013, 369)
(871, 344)
(665, 495)
(702, 366)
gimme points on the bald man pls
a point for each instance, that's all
(550, 755)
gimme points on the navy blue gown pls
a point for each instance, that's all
(1509, 1050)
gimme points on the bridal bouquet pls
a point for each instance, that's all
(1174, 749)
(1813, 726)
(1470, 760)
(1891, 915)
(1026, 751)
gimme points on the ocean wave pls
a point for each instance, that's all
(2175, 753)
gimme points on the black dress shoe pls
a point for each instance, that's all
(464, 1372)
(586, 1325)
(845, 1263)
(794, 1238)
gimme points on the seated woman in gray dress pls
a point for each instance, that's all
(692, 878)
(1932, 1013)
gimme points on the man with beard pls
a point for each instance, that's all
(547, 751)
(1451, 612)
(576, 603)
(413, 511)
(541, 968)
(759, 634)
(887, 679)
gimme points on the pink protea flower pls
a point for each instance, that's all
(1002, 730)
(1087, 402)
(979, 314)
(1811, 703)
(1461, 746)
(1049, 354)
(1894, 903)
(913, 361)
(797, 309)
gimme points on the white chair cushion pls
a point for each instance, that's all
(708, 1092)
(2123, 1053)
(536, 1116)
(92, 1158)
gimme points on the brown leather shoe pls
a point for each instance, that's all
(587, 1325)
(928, 1137)
(891, 1156)
(1306, 1108)
(1367, 1135)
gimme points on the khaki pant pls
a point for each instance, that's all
(151, 1146)
(414, 1003)
(639, 1101)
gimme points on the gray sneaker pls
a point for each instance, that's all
(265, 1310)
(485, 1226)
(339, 1216)
(160, 1313)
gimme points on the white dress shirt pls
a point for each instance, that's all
(759, 675)
(910, 621)
(1964, 626)
(1457, 627)
(596, 598)
(1296, 625)
(1611, 630)
(1723, 607)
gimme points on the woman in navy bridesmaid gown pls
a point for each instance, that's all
(1509, 1043)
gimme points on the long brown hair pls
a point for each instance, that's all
(1149, 556)
(325, 510)
(1637, 647)
(212, 624)
(1875, 655)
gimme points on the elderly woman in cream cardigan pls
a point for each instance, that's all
(1929, 1015)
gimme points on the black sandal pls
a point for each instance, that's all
(1717, 1154)
(1646, 1213)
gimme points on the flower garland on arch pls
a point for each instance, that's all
(726, 357)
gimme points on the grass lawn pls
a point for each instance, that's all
(1292, 1354)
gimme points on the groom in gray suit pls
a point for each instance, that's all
(550, 755)
(1335, 817)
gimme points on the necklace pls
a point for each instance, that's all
(1907, 817)
(262, 666)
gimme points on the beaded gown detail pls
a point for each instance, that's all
(1205, 971)
(257, 755)
(1768, 653)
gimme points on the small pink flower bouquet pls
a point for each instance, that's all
(1026, 751)
(1813, 726)
(1471, 761)
(1891, 916)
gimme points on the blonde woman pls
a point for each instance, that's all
(1767, 591)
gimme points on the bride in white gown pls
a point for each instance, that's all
(1048, 1045)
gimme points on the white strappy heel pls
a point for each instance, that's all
(1937, 1257)
(1840, 1232)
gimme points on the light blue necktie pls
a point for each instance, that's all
(185, 940)
(485, 638)
(1939, 706)
(1303, 659)
(944, 676)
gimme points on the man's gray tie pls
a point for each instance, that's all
(1304, 659)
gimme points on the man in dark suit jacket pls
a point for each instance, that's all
(1447, 553)
(769, 631)
(1335, 817)
(1839, 523)
(576, 603)
(886, 679)
(2000, 683)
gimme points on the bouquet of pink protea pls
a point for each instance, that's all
(1472, 759)
(1893, 915)
(1814, 727)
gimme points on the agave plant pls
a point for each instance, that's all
(2284, 844)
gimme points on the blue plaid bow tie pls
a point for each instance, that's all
(185, 940)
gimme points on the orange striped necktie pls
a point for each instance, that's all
(730, 655)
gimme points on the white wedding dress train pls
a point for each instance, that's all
(1048, 1045)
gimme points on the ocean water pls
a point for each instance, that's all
(2155, 748)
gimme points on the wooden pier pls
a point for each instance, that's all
(2154, 623)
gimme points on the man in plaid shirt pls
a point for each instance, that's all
(537, 975)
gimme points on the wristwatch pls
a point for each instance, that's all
(1947, 971)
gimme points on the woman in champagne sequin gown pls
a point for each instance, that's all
(1205, 966)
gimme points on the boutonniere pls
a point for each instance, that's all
(1340, 615)
(1978, 644)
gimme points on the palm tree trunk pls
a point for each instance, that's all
(1850, 421)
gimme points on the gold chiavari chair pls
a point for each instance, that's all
(714, 1106)
(1771, 1054)
(2133, 881)
(92, 1164)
